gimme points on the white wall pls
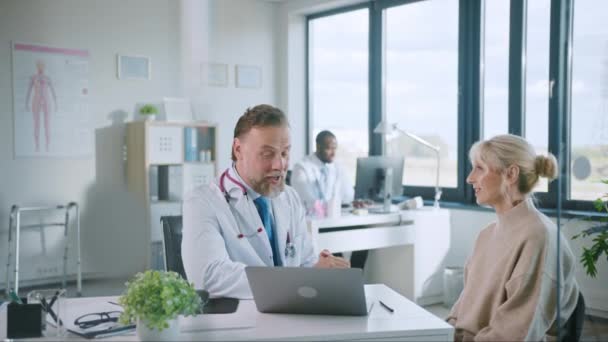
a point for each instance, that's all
(291, 63)
(111, 219)
(178, 36)
(465, 226)
(291, 82)
(236, 32)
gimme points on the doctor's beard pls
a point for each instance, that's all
(265, 186)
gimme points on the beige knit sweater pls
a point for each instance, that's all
(510, 280)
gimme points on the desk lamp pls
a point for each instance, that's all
(387, 129)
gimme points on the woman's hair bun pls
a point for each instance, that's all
(546, 166)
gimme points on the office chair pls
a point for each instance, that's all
(172, 243)
(572, 330)
(288, 178)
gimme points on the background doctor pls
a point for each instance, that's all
(317, 178)
(248, 216)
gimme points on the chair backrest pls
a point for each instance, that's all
(172, 242)
(288, 178)
(572, 330)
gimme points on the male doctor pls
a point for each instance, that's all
(317, 178)
(248, 216)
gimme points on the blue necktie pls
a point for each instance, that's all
(263, 205)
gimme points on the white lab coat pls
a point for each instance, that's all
(215, 257)
(306, 180)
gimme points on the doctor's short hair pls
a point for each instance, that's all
(505, 150)
(320, 139)
(259, 116)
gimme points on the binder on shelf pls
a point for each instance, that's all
(169, 183)
(153, 181)
(163, 182)
(191, 144)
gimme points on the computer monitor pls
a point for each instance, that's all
(371, 172)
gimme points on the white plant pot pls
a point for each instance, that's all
(169, 334)
(148, 117)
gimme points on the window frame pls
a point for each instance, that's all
(465, 43)
(471, 88)
(309, 18)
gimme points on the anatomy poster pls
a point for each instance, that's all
(51, 102)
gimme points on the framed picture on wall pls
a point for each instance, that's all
(131, 67)
(215, 74)
(45, 125)
(248, 76)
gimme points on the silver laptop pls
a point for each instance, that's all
(303, 290)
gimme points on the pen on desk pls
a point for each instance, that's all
(54, 299)
(387, 307)
(46, 307)
(114, 303)
(127, 329)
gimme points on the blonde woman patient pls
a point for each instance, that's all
(510, 280)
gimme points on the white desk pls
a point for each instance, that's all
(409, 322)
(414, 267)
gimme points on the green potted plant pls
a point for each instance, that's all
(148, 111)
(154, 300)
(599, 232)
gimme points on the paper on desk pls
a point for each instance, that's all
(215, 322)
(74, 311)
(109, 328)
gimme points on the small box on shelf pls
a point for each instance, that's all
(170, 179)
(165, 145)
(205, 156)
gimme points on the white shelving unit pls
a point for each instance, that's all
(165, 160)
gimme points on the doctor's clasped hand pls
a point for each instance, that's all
(248, 216)
(327, 260)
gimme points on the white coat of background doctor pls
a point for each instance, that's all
(222, 229)
(310, 183)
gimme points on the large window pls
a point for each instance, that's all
(338, 83)
(422, 88)
(455, 71)
(496, 68)
(589, 113)
(536, 129)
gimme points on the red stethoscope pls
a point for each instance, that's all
(290, 250)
